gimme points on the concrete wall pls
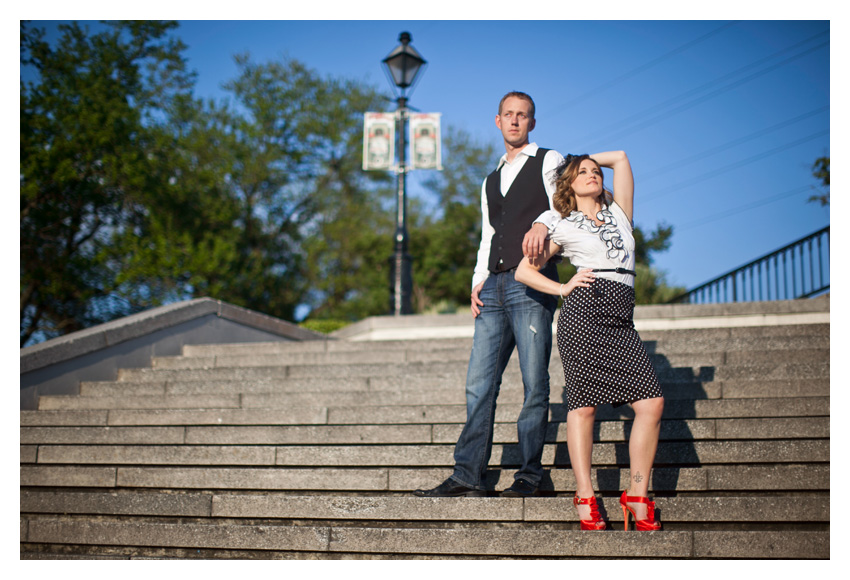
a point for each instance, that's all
(56, 367)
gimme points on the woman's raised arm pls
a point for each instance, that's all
(624, 184)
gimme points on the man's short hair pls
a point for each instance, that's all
(518, 95)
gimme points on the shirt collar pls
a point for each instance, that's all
(529, 150)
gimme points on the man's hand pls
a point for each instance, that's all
(476, 302)
(534, 241)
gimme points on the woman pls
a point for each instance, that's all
(603, 357)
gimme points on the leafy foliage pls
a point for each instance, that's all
(135, 194)
(292, 162)
(325, 326)
(87, 168)
(820, 170)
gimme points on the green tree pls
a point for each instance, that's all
(348, 251)
(820, 170)
(87, 172)
(651, 285)
(135, 194)
(275, 165)
(187, 244)
(314, 231)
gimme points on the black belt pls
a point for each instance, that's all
(500, 269)
(617, 270)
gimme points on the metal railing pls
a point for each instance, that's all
(799, 270)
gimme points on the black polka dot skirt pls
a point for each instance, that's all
(603, 357)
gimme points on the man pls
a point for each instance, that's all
(507, 313)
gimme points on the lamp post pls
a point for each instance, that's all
(402, 66)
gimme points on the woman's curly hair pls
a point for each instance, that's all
(564, 198)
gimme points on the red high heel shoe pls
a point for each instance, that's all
(595, 522)
(647, 525)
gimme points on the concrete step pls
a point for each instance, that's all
(778, 365)
(725, 335)
(670, 345)
(757, 508)
(330, 346)
(208, 394)
(669, 453)
(735, 338)
(332, 541)
(684, 354)
(390, 391)
(757, 353)
(120, 389)
(457, 371)
(792, 477)
(736, 332)
(256, 446)
(703, 453)
(412, 414)
(259, 359)
(56, 402)
(782, 428)
(511, 381)
(688, 385)
(222, 387)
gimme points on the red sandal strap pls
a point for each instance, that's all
(591, 501)
(650, 510)
(635, 498)
(595, 517)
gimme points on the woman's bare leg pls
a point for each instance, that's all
(643, 444)
(580, 445)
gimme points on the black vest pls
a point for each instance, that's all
(512, 215)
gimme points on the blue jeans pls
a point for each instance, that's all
(513, 315)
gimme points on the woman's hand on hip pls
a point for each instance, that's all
(582, 279)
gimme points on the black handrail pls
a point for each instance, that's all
(757, 275)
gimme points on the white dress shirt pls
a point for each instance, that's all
(510, 169)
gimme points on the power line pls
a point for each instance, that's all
(650, 64)
(713, 151)
(697, 101)
(705, 86)
(749, 206)
(717, 172)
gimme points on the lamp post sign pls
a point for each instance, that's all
(425, 141)
(379, 141)
(402, 66)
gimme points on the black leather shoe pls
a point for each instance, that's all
(450, 489)
(521, 488)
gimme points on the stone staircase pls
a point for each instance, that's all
(310, 450)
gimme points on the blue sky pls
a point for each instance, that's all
(722, 119)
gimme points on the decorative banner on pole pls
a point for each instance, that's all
(378, 141)
(425, 141)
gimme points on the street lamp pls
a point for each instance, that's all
(402, 66)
